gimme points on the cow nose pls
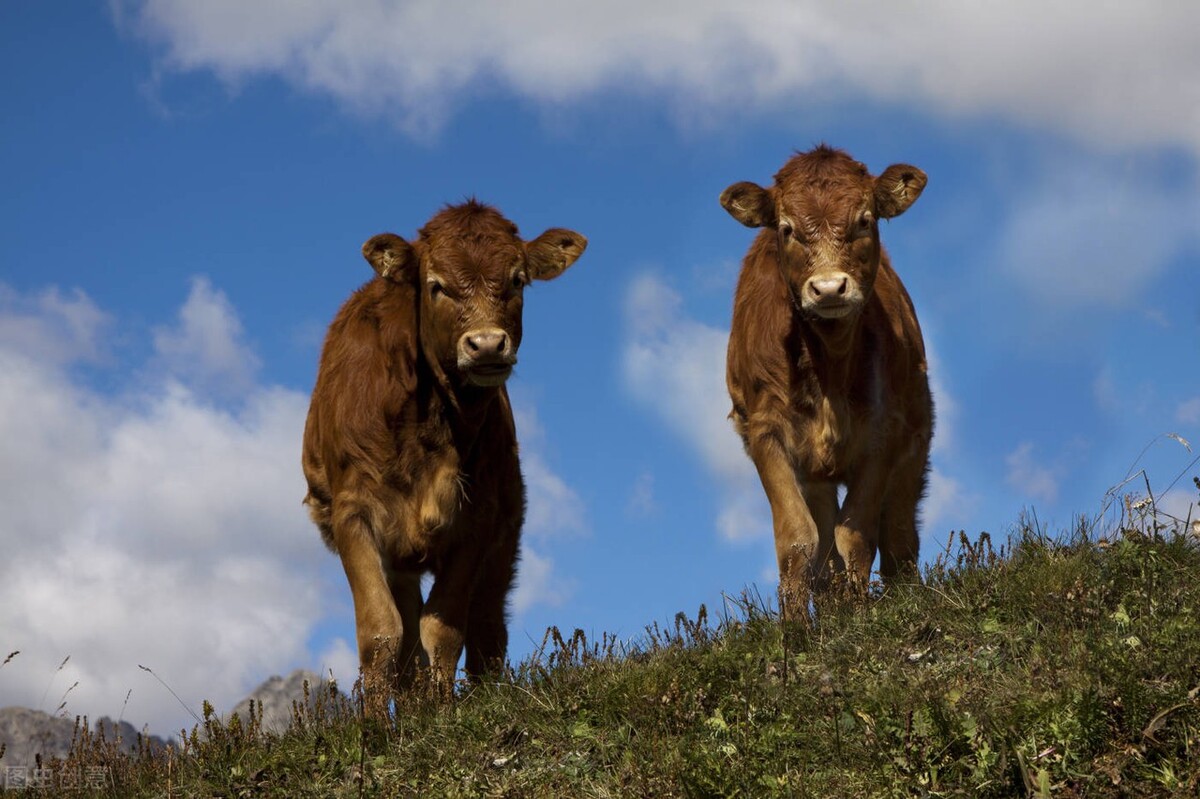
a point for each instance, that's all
(487, 343)
(828, 286)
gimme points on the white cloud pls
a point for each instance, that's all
(1091, 234)
(946, 500)
(641, 496)
(1104, 390)
(1188, 411)
(678, 364)
(744, 513)
(1180, 504)
(205, 346)
(158, 529)
(676, 367)
(537, 583)
(945, 406)
(51, 327)
(1027, 475)
(1123, 390)
(340, 658)
(417, 60)
(553, 509)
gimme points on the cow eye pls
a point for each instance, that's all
(518, 281)
(436, 289)
(786, 230)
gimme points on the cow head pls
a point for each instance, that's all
(825, 209)
(470, 268)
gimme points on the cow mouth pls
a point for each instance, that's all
(488, 374)
(830, 310)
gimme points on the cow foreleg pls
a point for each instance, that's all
(899, 544)
(821, 498)
(857, 532)
(797, 538)
(487, 627)
(406, 593)
(378, 624)
(444, 618)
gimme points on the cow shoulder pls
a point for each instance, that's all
(904, 373)
(368, 372)
(760, 361)
(907, 351)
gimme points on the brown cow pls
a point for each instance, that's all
(410, 451)
(826, 369)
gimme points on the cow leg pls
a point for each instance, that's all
(856, 535)
(444, 617)
(378, 623)
(821, 499)
(797, 539)
(406, 593)
(899, 544)
(487, 625)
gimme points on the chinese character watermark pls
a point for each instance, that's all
(14, 778)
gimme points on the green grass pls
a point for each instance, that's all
(1065, 667)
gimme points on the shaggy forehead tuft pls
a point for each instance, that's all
(472, 239)
(469, 220)
(821, 168)
(822, 182)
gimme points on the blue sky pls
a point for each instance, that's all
(186, 188)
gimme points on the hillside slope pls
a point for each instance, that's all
(1049, 668)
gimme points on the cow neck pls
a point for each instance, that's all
(466, 407)
(831, 347)
(473, 405)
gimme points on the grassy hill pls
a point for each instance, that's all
(1046, 667)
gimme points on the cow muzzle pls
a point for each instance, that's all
(486, 356)
(831, 295)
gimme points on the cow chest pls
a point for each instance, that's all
(426, 488)
(447, 486)
(835, 428)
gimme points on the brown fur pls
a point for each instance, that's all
(826, 370)
(410, 451)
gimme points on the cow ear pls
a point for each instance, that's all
(391, 257)
(897, 188)
(750, 204)
(552, 252)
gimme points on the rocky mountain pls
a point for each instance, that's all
(277, 695)
(26, 733)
